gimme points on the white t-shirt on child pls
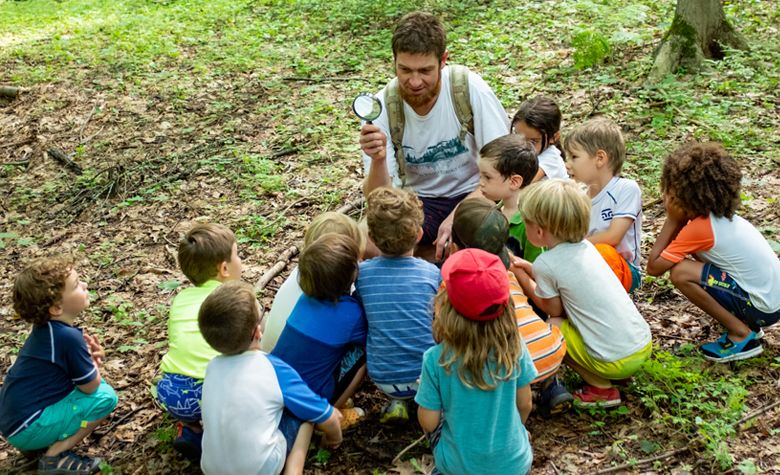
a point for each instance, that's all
(551, 161)
(595, 301)
(284, 303)
(621, 198)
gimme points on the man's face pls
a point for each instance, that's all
(419, 77)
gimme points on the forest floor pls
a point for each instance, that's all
(237, 111)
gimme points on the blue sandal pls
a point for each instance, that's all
(724, 350)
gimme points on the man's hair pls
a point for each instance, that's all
(203, 249)
(327, 267)
(228, 317)
(542, 114)
(703, 178)
(560, 206)
(40, 286)
(599, 134)
(332, 222)
(419, 33)
(512, 155)
(394, 218)
(471, 346)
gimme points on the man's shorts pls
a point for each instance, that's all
(620, 369)
(733, 298)
(66, 417)
(436, 211)
(180, 395)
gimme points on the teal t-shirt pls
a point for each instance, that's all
(481, 430)
(188, 352)
(517, 231)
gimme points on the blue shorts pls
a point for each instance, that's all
(436, 211)
(733, 298)
(180, 395)
(66, 417)
(289, 425)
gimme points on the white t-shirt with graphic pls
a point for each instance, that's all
(551, 161)
(621, 198)
(437, 163)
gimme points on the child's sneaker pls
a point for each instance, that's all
(396, 410)
(590, 396)
(350, 416)
(188, 442)
(723, 349)
(554, 399)
(68, 463)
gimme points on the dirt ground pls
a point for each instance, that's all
(126, 251)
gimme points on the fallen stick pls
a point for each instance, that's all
(758, 412)
(407, 448)
(18, 163)
(9, 91)
(291, 252)
(60, 156)
(620, 468)
(322, 79)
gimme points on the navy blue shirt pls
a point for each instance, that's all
(52, 362)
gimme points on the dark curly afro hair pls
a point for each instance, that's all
(703, 178)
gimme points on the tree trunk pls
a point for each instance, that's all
(699, 30)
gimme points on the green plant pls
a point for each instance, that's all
(590, 48)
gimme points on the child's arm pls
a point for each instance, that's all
(675, 221)
(524, 402)
(614, 233)
(429, 419)
(523, 271)
(332, 429)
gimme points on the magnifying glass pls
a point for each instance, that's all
(367, 107)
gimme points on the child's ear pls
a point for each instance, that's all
(222, 271)
(419, 234)
(515, 182)
(55, 310)
(258, 333)
(602, 159)
(556, 138)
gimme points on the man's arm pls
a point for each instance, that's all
(373, 142)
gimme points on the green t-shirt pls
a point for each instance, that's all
(481, 430)
(188, 353)
(517, 231)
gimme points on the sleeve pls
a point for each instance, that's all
(526, 367)
(76, 360)
(696, 236)
(490, 119)
(428, 394)
(360, 330)
(383, 123)
(298, 398)
(545, 280)
(628, 203)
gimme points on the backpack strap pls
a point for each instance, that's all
(459, 83)
(395, 119)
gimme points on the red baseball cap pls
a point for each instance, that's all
(477, 284)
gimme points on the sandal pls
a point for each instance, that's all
(68, 463)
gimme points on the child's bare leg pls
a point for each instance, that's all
(353, 385)
(589, 377)
(297, 458)
(67, 444)
(686, 276)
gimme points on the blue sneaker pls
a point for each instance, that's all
(723, 349)
(554, 399)
(188, 442)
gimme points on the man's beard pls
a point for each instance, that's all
(423, 99)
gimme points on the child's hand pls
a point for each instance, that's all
(522, 265)
(95, 349)
(332, 439)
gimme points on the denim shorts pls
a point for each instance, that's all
(733, 298)
(66, 417)
(180, 395)
(289, 425)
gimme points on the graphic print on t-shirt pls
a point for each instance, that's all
(437, 159)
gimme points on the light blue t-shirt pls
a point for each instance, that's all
(397, 294)
(481, 430)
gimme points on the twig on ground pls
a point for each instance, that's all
(758, 412)
(126, 416)
(29, 464)
(86, 121)
(60, 156)
(555, 469)
(323, 79)
(407, 448)
(9, 91)
(18, 163)
(17, 143)
(620, 468)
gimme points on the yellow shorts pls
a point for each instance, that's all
(620, 369)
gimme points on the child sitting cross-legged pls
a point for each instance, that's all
(478, 224)
(208, 256)
(475, 392)
(254, 403)
(53, 396)
(606, 337)
(735, 277)
(595, 155)
(325, 336)
(396, 290)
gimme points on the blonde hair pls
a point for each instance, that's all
(332, 222)
(394, 217)
(599, 134)
(560, 206)
(472, 345)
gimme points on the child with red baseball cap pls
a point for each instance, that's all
(479, 374)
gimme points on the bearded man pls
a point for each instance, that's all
(438, 156)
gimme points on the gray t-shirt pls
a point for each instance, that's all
(594, 300)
